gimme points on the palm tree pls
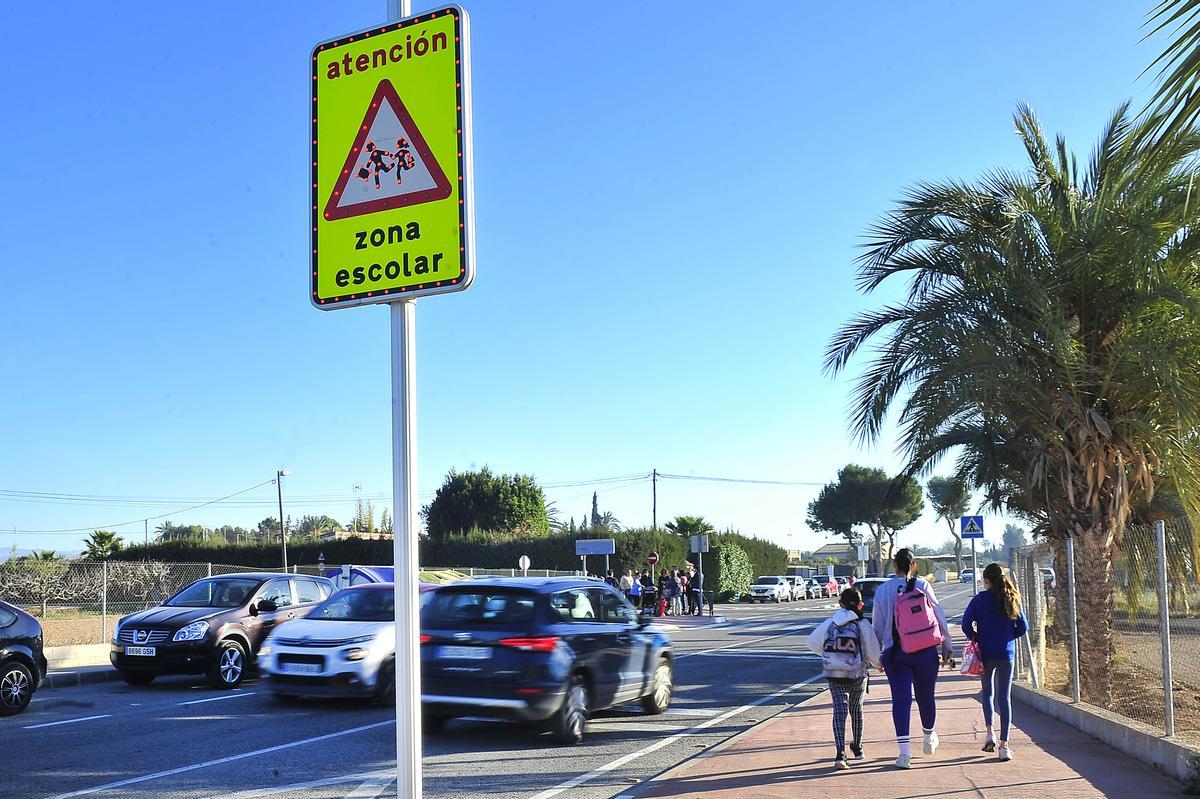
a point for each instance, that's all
(688, 526)
(1049, 340)
(101, 545)
(1176, 104)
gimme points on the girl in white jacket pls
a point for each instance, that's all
(847, 646)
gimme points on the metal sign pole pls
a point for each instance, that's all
(404, 543)
(974, 568)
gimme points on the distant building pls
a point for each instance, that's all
(342, 535)
(840, 552)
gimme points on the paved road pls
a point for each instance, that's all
(179, 739)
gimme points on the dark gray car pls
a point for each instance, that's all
(22, 662)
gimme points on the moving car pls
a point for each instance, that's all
(345, 646)
(770, 589)
(966, 576)
(22, 661)
(867, 587)
(550, 649)
(213, 627)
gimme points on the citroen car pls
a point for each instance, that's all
(213, 627)
(22, 661)
(345, 646)
(550, 650)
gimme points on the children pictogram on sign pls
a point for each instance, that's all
(418, 178)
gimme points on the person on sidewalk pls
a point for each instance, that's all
(847, 647)
(911, 628)
(994, 621)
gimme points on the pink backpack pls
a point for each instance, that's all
(916, 623)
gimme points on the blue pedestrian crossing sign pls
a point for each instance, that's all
(971, 526)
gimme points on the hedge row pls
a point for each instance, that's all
(491, 550)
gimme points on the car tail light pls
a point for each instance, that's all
(539, 644)
(426, 639)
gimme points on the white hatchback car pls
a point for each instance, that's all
(345, 647)
(771, 589)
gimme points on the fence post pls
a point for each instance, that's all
(1074, 625)
(103, 601)
(1164, 627)
(210, 570)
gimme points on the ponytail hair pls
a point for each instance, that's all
(905, 561)
(1008, 599)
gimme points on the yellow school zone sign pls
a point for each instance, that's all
(391, 162)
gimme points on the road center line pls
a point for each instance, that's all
(193, 767)
(66, 721)
(659, 744)
(797, 631)
(218, 698)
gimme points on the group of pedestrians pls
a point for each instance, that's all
(676, 592)
(909, 640)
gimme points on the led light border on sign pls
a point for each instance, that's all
(466, 239)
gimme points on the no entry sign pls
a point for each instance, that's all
(391, 162)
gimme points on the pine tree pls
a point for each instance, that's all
(595, 510)
(385, 522)
(370, 520)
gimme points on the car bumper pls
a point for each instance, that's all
(343, 684)
(168, 659)
(510, 706)
(337, 677)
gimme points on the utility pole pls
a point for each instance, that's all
(654, 500)
(279, 475)
(146, 530)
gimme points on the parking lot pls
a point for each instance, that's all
(179, 738)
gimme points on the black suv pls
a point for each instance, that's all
(539, 649)
(213, 627)
(22, 663)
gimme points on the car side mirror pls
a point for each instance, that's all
(267, 606)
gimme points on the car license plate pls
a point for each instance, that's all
(465, 653)
(300, 668)
(141, 651)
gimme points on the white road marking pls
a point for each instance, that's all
(659, 744)
(372, 788)
(768, 656)
(219, 761)
(66, 721)
(218, 698)
(366, 778)
(794, 631)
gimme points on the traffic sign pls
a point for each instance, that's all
(596, 546)
(700, 543)
(652, 559)
(523, 563)
(971, 526)
(391, 162)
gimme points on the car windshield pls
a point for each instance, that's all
(481, 606)
(357, 604)
(767, 581)
(867, 589)
(218, 592)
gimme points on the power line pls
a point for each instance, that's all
(737, 480)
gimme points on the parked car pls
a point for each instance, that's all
(797, 585)
(22, 661)
(344, 646)
(867, 587)
(213, 627)
(770, 589)
(551, 649)
(842, 583)
(814, 588)
(966, 576)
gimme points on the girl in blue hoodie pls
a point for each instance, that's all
(994, 621)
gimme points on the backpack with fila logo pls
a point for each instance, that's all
(842, 655)
(916, 624)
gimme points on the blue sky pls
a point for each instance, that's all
(669, 199)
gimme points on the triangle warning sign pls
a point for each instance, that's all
(389, 164)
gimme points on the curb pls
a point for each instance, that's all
(71, 679)
(722, 746)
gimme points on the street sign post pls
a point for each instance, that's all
(595, 546)
(864, 554)
(972, 528)
(700, 546)
(652, 558)
(392, 219)
(523, 565)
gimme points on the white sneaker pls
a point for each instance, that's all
(904, 761)
(1003, 752)
(931, 743)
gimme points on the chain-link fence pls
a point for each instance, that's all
(78, 602)
(1153, 602)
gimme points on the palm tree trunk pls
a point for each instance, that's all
(1094, 591)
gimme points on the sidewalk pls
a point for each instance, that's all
(792, 755)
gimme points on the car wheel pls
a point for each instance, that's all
(229, 665)
(385, 684)
(138, 677)
(16, 688)
(659, 698)
(569, 721)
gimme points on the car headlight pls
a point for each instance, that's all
(265, 649)
(354, 653)
(193, 632)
